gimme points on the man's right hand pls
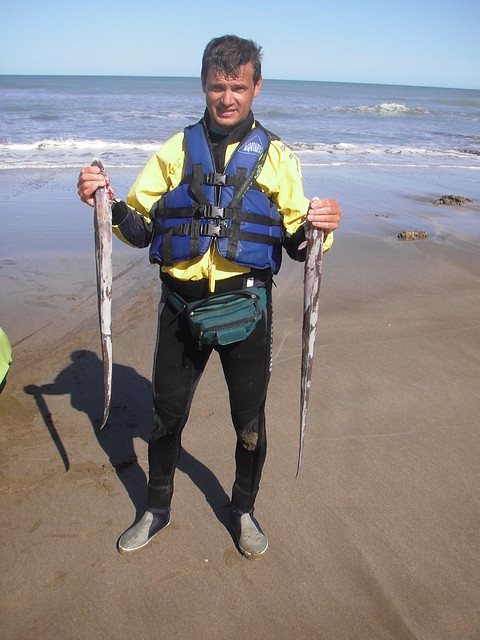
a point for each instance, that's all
(89, 180)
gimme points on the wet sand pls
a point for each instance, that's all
(379, 535)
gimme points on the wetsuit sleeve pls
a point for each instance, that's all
(130, 226)
(295, 245)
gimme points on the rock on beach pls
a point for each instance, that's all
(456, 201)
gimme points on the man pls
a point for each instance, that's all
(215, 204)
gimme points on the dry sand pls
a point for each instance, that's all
(377, 538)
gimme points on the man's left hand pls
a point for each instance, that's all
(324, 214)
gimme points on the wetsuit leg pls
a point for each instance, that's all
(246, 367)
(178, 366)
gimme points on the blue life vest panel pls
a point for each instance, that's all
(228, 208)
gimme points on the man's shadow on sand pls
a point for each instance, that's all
(130, 418)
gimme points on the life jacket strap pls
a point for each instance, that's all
(212, 179)
(196, 185)
(195, 212)
(219, 180)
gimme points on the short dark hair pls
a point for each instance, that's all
(228, 53)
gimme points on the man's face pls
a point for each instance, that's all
(229, 99)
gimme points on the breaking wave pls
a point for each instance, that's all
(348, 154)
(52, 144)
(72, 152)
(385, 108)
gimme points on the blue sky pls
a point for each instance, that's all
(421, 42)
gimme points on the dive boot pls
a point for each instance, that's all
(140, 534)
(249, 537)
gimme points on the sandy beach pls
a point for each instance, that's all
(379, 535)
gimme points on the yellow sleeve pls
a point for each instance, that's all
(162, 173)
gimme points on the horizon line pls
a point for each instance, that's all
(189, 77)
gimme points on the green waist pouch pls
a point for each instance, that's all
(222, 318)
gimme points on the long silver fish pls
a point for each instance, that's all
(103, 260)
(311, 298)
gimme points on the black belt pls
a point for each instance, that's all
(199, 289)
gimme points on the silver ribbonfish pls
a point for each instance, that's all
(103, 260)
(311, 298)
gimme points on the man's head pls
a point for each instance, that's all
(228, 53)
(231, 79)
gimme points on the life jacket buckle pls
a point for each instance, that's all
(215, 179)
(211, 229)
(210, 211)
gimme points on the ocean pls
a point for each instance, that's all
(59, 122)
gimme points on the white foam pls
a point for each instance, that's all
(347, 149)
(81, 145)
(385, 108)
